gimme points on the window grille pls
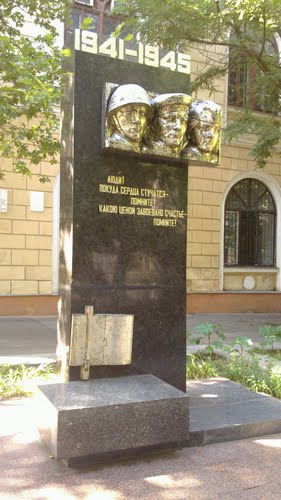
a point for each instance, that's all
(250, 225)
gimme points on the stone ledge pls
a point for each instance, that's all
(222, 410)
(103, 417)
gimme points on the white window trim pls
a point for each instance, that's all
(275, 191)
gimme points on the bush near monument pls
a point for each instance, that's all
(233, 363)
(21, 380)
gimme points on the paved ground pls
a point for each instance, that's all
(33, 339)
(247, 469)
(27, 339)
(233, 325)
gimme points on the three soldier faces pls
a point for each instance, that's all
(170, 125)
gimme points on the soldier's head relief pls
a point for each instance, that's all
(129, 111)
(204, 130)
(170, 122)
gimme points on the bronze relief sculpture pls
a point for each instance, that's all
(167, 125)
(204, 132)
(129, 112)
(168, 130)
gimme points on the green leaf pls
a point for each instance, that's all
(118, 29)
(218, 345)
(86, 23)
(243, 341)
(66, 52)
(205, 328)
(196, 341)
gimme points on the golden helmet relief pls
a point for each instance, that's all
(204, 132)
(165, 125)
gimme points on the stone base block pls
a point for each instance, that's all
(110, 416)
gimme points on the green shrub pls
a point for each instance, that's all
(247, 372)
(242, 342)
(197, 367)
(21, 380)
(271, 334)
(207, 331)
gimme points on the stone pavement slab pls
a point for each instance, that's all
(27, 340)
(246, 469)
(234, 325)
(32, 339)
(222, 410)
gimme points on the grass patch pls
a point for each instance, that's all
(21, 380)
(272, 353)
(236, 368)
(200, 366)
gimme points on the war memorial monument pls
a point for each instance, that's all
(129, 131)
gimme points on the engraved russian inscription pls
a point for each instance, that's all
(138, 201)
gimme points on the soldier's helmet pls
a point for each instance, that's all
(126, 95)
(171, 102)
(206, 111)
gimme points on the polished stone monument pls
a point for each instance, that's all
(123, 251)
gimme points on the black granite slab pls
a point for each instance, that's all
(122, 263)
(107, 416)
(222, 410)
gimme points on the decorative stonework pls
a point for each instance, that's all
(249, 282)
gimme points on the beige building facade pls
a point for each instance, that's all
(213, 284)
(29, 234)
(26, 241)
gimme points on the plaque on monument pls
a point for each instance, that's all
(100, 339)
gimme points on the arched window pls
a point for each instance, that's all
(249, 225)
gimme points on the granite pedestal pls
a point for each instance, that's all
(108, 417)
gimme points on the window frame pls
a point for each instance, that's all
(245, 97)
(257, 218)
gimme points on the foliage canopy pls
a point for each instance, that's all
(30, 81)
(248, 29)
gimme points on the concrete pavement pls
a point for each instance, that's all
(244, 469)
(27, 339)
(247, 469)
(33, 339)
(234, 325)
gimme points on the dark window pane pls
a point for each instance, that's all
(109, 25)
(265, 239)
(77, 18)
(247, 238)
(231, 238)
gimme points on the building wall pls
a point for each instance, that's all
(207, 191)
(26, 235)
